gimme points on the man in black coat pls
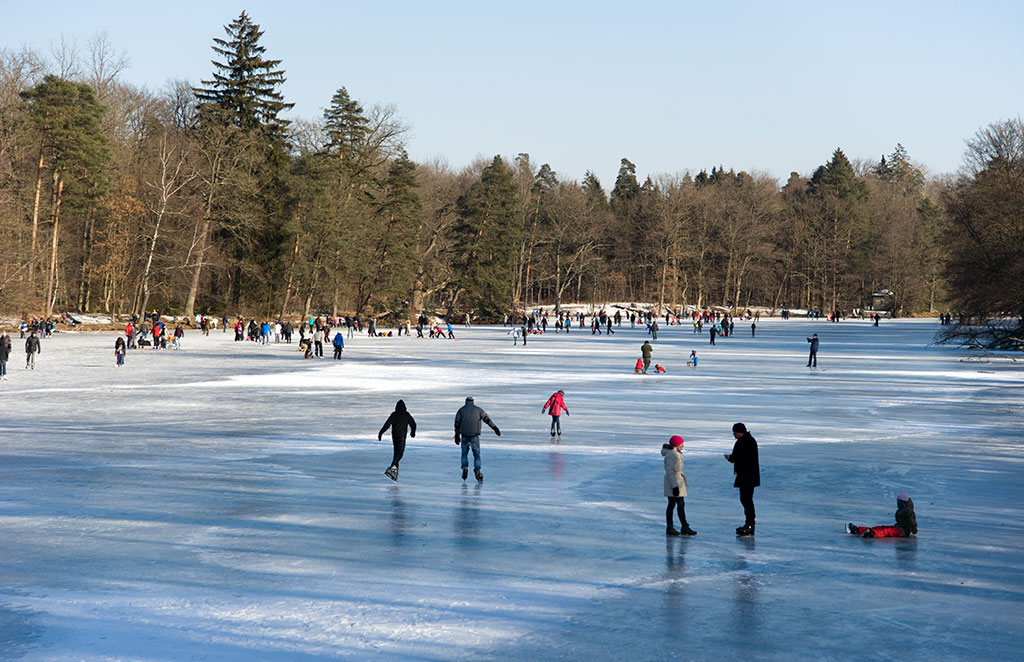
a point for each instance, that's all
(32, 347)
(5, 353)
(748, 474)
(400, 422)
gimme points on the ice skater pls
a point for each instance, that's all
(675, 486)
(119, 351)
(694, 358)
(32, 347)
(906, 522)
(339, 346)
(554, 406)
(748, 474)
(812, 359)
(401, 422)
(467, 434)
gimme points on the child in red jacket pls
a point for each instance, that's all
(554, 406)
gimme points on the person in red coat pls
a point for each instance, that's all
(555, 406)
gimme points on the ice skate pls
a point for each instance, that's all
(686, 530)
(852, 528)
(392, 473)
(479, 476)
(671, 531)
(746, 531)
(465, 472)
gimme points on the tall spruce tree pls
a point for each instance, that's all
(843, 199)
(244, 88)
(347, 128)
(485, 243)
(250, 212)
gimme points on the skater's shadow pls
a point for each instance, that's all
(906, 553)
(556, 465)
(399, 519)
(675, 572)
(467, 517)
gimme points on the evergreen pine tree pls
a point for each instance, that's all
(244, 89)
(485, 242)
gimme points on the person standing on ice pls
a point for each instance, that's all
(554, 406)
(32, 347)
(675, 486)
(467, 434)
(400, 422)
(5, 353)
(119, 351)
(812, 360)
(906, 522)
(645, 352)
(748, 474)
(339, 345)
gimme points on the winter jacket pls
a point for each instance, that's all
(400, 421)
(555, 405)
(5, 348)
(745, 464)
(906, 520)
(339, 341)
(814, 344)
(673, 470)
(467, 420)
(645, 350)
(32, 345)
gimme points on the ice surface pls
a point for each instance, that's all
(227, 501)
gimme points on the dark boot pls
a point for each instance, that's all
(465, 472)
(671, 531)
(852, 528)
(479, 476)
(746, 531)
(686, 530)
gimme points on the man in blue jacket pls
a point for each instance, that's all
(339, 344)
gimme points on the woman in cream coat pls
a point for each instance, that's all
(675, 486)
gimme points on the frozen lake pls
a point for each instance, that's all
(227, 501)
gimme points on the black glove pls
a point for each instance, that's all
(675, 491)
(458, 439)
(413, 435)
(497, 432)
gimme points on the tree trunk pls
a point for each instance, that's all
(35, 216)
(291, 277)
(51, 289)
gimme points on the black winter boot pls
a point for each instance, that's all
(671, 531)
(465, 472)
(479, 476)
(686, 530)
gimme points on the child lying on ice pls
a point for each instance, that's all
(906, 522)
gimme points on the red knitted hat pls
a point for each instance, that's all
(676, 440)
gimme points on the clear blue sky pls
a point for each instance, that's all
(673, 86)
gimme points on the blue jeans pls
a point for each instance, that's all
(474, 443)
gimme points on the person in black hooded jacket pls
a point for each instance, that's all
(748, 474)
(400, 422)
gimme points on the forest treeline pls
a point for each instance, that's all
(202, 198)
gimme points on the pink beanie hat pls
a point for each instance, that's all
(676, 440)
